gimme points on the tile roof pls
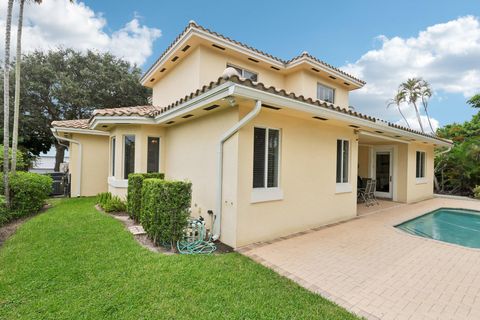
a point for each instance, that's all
(153, 111)
(194, 25)
(76, 124)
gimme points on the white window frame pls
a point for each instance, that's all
(242, 74)
(264, 194)
(343, 187)
(159, 152)
(422, 179)
(123, 154)
(113, 159)
(319, 84)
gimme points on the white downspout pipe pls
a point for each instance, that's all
(227, 135)
(79, 182)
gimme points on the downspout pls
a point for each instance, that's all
(79, 182)
(227, 135)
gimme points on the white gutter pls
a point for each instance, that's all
(55, 134)
(227, 135)
(379, 136)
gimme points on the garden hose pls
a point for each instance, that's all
(193, 241)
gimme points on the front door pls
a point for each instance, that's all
(383, 174)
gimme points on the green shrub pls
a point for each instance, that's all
(134, 193)
(103, 198)
(28, 192)
(165, 209)
(4, 214)
(476, 192)
(114, 204)
(22, 162)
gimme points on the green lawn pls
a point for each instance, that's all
(73, 262)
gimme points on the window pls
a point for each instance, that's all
(113, 141)
(244, 73)
(153, 154)
(325, 93)
(420, 167)
(342, 161)
(266, 156)
(129, 156)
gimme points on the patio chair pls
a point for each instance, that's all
(368, 195)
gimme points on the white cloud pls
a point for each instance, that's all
(447, 55)
(413, 122)
(59, 23)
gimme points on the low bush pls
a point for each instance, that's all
(476, 192)
(165, 209)
(28, 192)
(4, 214)
(115, 204)
(103, 197)
(134, 193)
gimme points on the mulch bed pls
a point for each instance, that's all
(146, 242)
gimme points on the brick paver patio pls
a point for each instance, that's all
(379, 272)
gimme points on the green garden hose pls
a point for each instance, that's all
(194, 239)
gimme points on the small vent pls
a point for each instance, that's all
(153, 79)
(270, 107)
(346, 83)
(254, 60)
(186, 48)
(319, 118)
(379, 131)
(104, 126)
(217, 46)
(398, 136)
(275, 68)
(174, 59)
(214, 106)
(187, 116)
(354, 126)
(315, 69)
(332, 77)
(170, 122)
(163, 69)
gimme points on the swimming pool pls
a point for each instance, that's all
(456, 226)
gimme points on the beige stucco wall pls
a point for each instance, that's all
(191, 154)
(94, 164)
(417, 191)
(117, 183)
(307, 179)
(363, 161)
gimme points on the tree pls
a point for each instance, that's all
(65, 84)
(6, 103)
(397, 100)
(474, 101)
(425, 95)
(410, 92)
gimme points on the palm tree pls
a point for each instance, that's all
(6, 104)
(18, 61)
(426, 94)
(410, 91)
(397, 100)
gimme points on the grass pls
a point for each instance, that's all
(73, 262)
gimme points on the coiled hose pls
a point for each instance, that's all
(194, 239)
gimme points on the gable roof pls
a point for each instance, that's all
(194, 27)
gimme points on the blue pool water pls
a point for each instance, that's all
(456, 226)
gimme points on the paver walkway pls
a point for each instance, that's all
(379, 272)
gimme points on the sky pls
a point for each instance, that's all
(381, 42)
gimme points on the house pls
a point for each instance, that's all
(270, 146)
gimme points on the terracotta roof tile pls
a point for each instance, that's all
(126, 111)
(76, 124)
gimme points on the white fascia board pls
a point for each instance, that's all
(98, 120)
(290, 103)
(82, 131)
(326, 69)
(379, 136)
(222, 91)
(166, 57)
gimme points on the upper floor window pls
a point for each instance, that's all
(244, 73)
(342, 161)
(113, 142)
(420, 164)
(266, 156)
(325, 93)
(153, 154)
(129, 155)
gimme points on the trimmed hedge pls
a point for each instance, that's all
(134, 193)
(28, 192)
(165, 209)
